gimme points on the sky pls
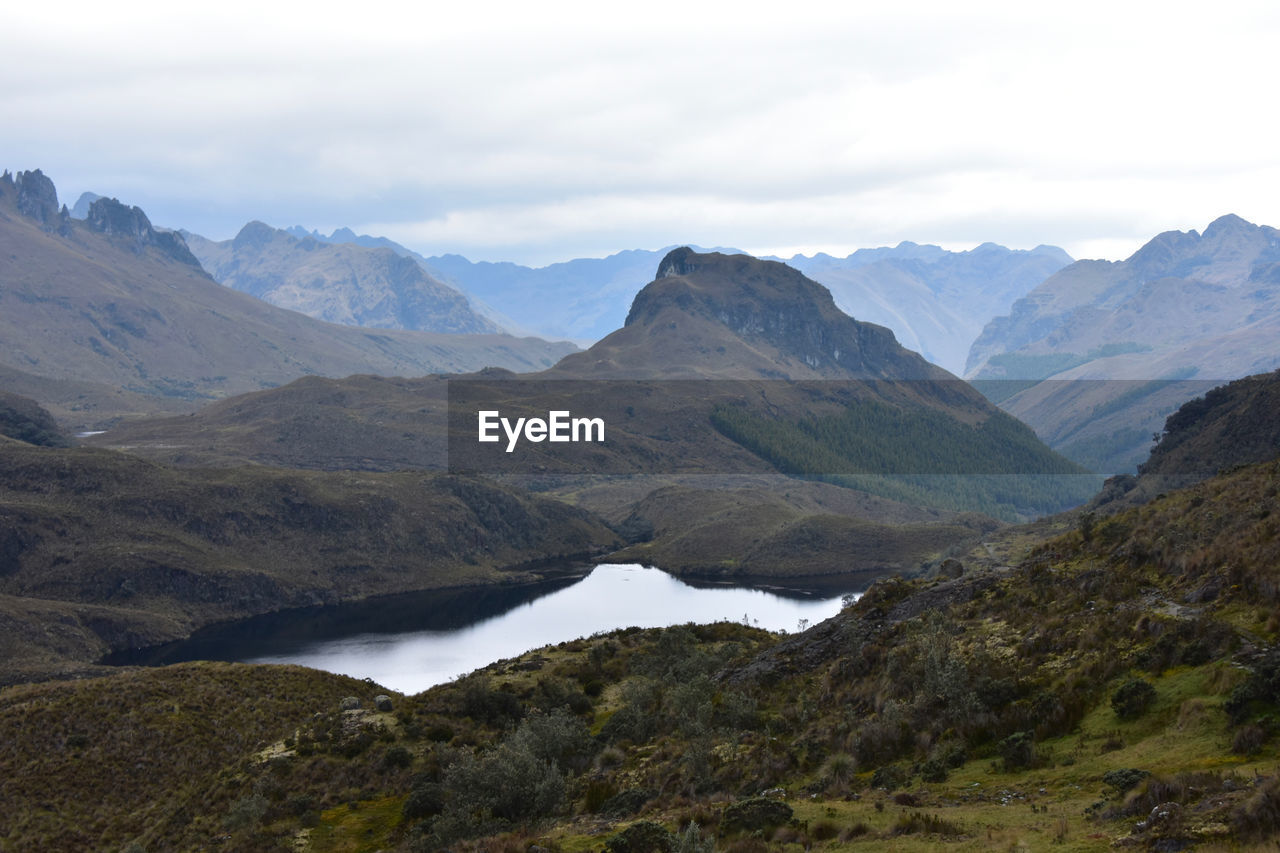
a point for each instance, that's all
(540, 132)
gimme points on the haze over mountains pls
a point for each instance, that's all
(337, 282)
(704, 317)
(1203, 308)
(935, 301)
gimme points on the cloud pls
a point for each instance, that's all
(554, 130)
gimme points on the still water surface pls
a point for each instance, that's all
(411, 643)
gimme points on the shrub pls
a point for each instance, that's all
(509, 783)
(889, 777)
(558, 736)
(1122, 779)
(1018, 750)
(495, 707)
(423, 801)
(755, 813)
(1248, 740)
(1259, 816)
(397, 757)
(933, 770)
(246, 812)
(1132, 699)
(628, 802)
(439, 733)
(642, 837)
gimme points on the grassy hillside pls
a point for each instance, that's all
(1117, 684)
(923, 456)
(121, 552)
(759, 532)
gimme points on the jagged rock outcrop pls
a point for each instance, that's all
(37, 198)
(108, 216)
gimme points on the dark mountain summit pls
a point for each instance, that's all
(130, 225)
(735, 316)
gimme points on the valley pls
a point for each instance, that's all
(1036, 658)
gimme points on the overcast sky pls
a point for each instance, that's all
(538, 132)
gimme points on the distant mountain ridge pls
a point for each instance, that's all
(936, 301)
(338, 282)
(116, 303)
(734, 316)
(790, 362)
(1202, 308)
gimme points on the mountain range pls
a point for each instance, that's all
(337, 282)
(109, 316)
(935, 301)
(1103, 677)
(1101, 352)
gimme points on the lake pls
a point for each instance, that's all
(409, 643)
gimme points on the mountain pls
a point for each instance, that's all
(116, 303)
(708, 315)
(81, 208)
(1187, 311)
(935, 301)
(726, 365)
(337, 282)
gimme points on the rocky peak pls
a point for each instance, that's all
(38, 198)
(677, 262)
(771, 302)
(254, 235)
(1227, 225)
(82, 205)
(108, 216)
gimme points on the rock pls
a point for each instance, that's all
(350, 703)
(1205, 593)
(951, 568)
(382, 702)
(37, 197)
(109, 216)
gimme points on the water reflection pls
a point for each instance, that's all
(409, 645)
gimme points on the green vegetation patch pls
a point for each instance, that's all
(997, 466)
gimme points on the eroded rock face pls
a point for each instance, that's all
(108, 216)
(770, 301)
(38, 198)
